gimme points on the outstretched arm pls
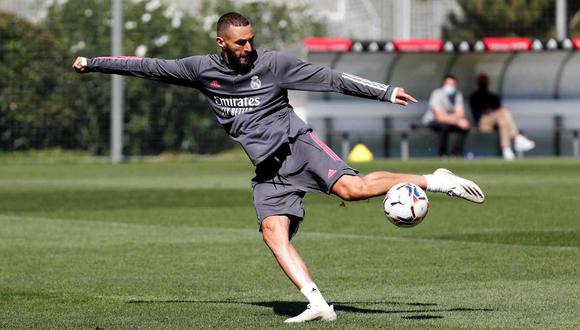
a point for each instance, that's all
(179, 72)
(293, 73)
(402, 98)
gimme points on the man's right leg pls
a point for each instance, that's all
(275, 232)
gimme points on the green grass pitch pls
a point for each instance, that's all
(175, 245)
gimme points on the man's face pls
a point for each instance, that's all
(482, 81)
(238, 45)
(450, 82)
(450, 86)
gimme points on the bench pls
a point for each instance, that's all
(552, 123)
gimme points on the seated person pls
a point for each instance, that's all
(446, 115)
(489, 114)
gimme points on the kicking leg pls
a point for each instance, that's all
(275, 231)
(354, 187)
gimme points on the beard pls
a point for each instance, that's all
(235, 62)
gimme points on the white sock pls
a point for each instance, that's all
(434, 183)
(311, 292)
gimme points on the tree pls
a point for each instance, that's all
(276, 25)
(61, 108)
(158, 117)
(504, 18)
(31, 112)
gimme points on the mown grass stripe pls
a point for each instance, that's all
(305, 234)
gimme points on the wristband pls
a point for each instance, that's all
(394, 95)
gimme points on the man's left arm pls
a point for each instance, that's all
(462, 121)
(459, 106)
(292, 73)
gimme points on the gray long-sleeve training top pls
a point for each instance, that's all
(252, 107)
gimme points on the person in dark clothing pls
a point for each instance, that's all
(247, 89)
(489, 114)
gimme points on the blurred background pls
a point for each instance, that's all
(44, 106)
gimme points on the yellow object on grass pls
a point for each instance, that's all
(360, 154)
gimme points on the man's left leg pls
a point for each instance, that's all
(486, 125)
(343, 181)
(443, 138)
(357, 187)
(508, 124)
(459, 137)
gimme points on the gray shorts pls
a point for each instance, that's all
(304, 165)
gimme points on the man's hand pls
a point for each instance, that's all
(80, 65)
(463, 123)
(403, 98)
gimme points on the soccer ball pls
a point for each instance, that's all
(406, 205)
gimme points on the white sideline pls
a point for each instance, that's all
(301, 233)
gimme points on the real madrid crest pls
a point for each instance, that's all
(255, 83)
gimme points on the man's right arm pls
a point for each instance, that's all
(180, 72)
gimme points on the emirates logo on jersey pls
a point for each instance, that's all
(233, 106)
(255, 83)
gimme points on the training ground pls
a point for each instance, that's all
(175, 245)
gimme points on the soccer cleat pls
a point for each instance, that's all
(522, 143)
(459, 187)
(322, 313)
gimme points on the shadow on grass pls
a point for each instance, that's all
(292, 308)
(422, 317)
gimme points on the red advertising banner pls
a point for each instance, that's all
(490, 44)
(507, 44)
(314, 44)
(418, 45)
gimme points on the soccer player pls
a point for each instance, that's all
(247, 89)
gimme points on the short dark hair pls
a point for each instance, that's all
(449, 76)
(232, 18)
